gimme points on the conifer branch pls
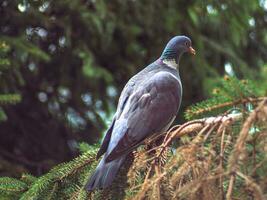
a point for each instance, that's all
(223, 105)
(216, 131)
(239, 146)
(157, 171)
(9, 99)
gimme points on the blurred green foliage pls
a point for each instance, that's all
(69, 61)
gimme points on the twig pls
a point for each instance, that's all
(157, 184)
(239, 146)
(186, 128)
(230, 187)
(221, 163)
(258, 166)
(209, 132)
(204, 127)
(230, 104)
(254, 186)
(197, 125)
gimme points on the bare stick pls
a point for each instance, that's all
(230, 187)
(221, 163)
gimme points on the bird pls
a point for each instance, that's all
(148, 104)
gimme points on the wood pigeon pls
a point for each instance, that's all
(148, 104)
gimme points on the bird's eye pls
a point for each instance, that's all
(186, 44)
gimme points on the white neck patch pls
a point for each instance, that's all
(170, 63)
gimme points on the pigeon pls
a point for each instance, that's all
(148, 105)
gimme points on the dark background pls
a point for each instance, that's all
(68, 60)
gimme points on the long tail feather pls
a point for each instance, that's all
(104, 173)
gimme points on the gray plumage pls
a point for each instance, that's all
(148, 104)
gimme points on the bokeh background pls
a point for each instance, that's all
(64, 63)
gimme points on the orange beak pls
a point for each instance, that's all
(192, 51)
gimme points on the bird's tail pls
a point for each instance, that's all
(104, 173)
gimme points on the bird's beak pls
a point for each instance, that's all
(191, 50)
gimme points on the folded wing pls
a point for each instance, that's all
(150, 108)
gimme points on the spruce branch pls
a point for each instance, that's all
(231, 93)
(28, 178)
(210, 157)
(239, 146)
(11, 185)
(199, 110)
(190, 172)
(58, 174)
(9, 99)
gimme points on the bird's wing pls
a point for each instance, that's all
(106, 140)
(149, 109)
(121, 104)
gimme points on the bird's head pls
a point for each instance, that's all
(176, 47)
